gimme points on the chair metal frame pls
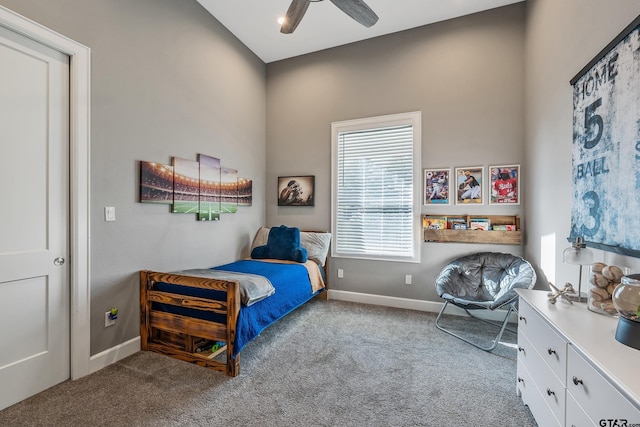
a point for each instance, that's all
(503, 325)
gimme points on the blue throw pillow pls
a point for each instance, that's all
(283, 243)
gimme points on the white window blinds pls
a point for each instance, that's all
(374, 192)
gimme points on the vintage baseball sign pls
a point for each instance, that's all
(606, 147)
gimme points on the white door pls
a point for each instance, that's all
(34, 218)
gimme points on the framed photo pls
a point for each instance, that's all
(504, 185)
(296, 190)
(469, 182)
(436, 186)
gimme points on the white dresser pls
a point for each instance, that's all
(571, 369)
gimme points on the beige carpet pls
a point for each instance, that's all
(326, 364)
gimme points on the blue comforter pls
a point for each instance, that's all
(292, 285)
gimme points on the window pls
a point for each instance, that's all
(376, 188)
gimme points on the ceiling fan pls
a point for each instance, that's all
(356, 9)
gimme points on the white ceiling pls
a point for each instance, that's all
(254, 22)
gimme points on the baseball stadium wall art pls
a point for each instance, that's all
(204, 187)
(296, 190)
(504, 185)
(469, 182)
(436, 186)
(606, 147)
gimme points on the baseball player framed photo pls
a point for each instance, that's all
(436, 186)
(469, 182)
(504, 185)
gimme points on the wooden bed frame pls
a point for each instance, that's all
(184, 337)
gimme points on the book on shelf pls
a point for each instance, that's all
(456, 223)
(504, 227)
(435, 222)
(480, 224)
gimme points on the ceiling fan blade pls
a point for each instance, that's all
(358, 10)
(294, 15)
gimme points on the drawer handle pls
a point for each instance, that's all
(549, 392)
(520, 348)
(520, 380)
(524, 319)
(576, 381)
(551, 351)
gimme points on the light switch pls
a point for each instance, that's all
(109, 213)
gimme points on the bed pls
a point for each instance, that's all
(207, 316)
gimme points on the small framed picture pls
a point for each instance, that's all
(504, 185)
(436, 186)
(469, 182)
(296, 190)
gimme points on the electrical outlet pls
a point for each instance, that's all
(340, 273)
(108, 320)
(407, 279)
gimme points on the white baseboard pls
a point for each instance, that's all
(114, 354)
(413, 304)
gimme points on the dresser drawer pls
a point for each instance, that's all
(600, 399)
(531, 397)
(551, 346)
(576, 417)
(547, 383)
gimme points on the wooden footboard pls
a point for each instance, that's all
(184, 337)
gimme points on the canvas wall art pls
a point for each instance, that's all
(606, 147)
(156, 183)
(209, 197)
(229, 190)
(245, 192)
(186, 185)
(204, 187)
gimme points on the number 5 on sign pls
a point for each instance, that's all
(591, 121)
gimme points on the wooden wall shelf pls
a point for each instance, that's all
(501, 237)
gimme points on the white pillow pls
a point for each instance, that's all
(261, 237)
(316, 243)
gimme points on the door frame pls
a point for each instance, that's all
(79, 136)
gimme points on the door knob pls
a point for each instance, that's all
(58, 261)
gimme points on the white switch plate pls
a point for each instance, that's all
(340, 273)
(407, 279)
(109, 213)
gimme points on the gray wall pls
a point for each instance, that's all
(167, 80)
(561, 38)
(466, 76)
